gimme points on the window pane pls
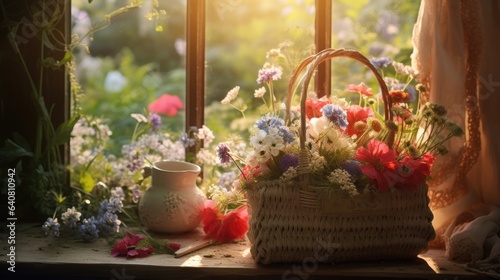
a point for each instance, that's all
(238, 36)
(136, 58)
(374, 28)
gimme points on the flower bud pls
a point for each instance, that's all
(391, 125)
(375, 124)
(360, 126)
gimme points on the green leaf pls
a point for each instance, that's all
(90, 1)
(63, 131)
(12, 152)
(87, 181)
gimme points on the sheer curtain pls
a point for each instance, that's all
(457, 53)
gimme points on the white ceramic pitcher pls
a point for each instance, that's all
(173, 203)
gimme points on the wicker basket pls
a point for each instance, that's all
(295, 222)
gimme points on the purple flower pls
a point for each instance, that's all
(335, 114)
(287, 161)
(223, 153)
(352, 167)
(269, 73)
(380, 62)
(155, 120)
(186, 141)
(136, 162)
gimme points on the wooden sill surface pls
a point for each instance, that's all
(37, 254)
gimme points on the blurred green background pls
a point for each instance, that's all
(134, 60)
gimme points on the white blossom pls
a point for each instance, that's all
(231, 95)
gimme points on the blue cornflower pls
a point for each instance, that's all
(155, 120)
(267, 121)
(335, 114)
(286, 134)
(112, 205)
(51, 227)
(380, 62)
(352, 167)
(287, 161)
(108, 223)
(88, 229)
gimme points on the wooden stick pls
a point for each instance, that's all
(200, 244)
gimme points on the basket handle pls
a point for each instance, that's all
(311, 63)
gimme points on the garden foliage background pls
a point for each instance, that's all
(238, 35)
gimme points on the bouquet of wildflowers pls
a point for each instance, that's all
(350, 146)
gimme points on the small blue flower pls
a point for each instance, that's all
(352, 167)
(186, 141)
(108, 223)
(381, 62)
(287, 161)
(51, 227)
(88, 230)
(335, 114)
(284, 132)
(112, 205)
(267, 121)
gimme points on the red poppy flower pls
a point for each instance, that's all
(313, 106)
(128, 247)
(224, 228)
(379, 163)
(398, 96)
(356, 114)
(361, 89)
(166, 105)
(415, 171)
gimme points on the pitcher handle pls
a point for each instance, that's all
(146, 171)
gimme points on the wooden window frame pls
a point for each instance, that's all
(195, 56)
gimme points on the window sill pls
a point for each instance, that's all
(44, 256)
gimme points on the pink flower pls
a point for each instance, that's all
(356, 114)
(379, 163)
(224, 228)
(128, 247)
(167, 105)
(361, 89)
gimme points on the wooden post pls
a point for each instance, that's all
(323, 40)
(195, 63)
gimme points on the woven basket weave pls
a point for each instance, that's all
(297, 221)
